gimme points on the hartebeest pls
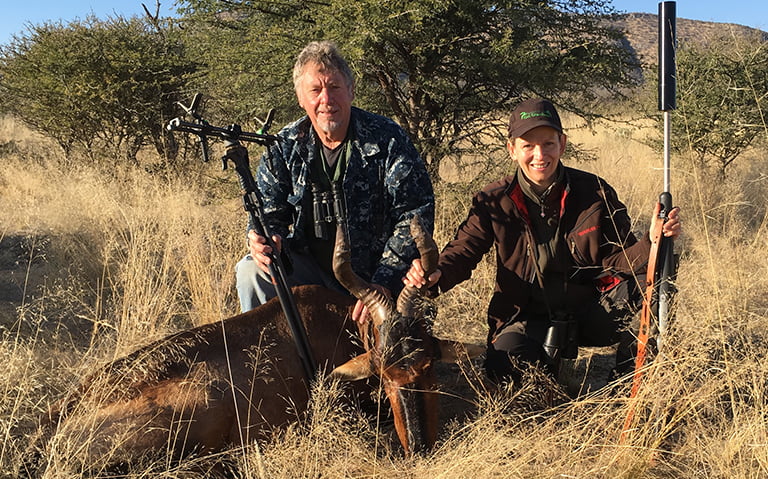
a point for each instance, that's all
(231, 382)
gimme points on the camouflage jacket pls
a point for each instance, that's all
(385, 184)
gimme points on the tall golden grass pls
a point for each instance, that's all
(99, 260)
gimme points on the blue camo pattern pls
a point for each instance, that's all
(386, 183)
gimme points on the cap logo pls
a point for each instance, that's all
(525, 115)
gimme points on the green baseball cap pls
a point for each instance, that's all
(533, 113)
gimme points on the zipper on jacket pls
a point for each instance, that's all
(574, 250)
(576, 253)
(529, 256)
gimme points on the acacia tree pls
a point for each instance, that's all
(442, 68)
(247, 50)
(96, 84)
(722, 86)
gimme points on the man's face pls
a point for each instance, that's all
(538, 153)
(327, 99)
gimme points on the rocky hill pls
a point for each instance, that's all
(642, 32)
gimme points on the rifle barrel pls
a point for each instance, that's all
(667, 40)
(667, 103)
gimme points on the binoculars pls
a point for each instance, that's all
(327, 211)
(562, 339)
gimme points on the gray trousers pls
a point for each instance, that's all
(254, 286)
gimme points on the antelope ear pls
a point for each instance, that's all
(356, 368)
(454, 351)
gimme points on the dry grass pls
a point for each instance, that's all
(97, 262)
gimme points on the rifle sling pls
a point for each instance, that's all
(645, 318)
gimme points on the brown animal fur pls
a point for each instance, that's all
(175, 396)
(231, 382)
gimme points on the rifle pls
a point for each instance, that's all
(253, 204)
(661, 264)
(667, 103)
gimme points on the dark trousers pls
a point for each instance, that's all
(604, 320)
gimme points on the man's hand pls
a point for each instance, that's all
(260, 250)
(673, 226)
(360, 313)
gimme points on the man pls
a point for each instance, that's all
(566, 258)
(336, 158)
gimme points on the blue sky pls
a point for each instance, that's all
(752, 13)
(18, 13)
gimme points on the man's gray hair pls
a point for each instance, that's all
(327, 55)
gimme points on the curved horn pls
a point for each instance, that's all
(429, 256)
(379, 306)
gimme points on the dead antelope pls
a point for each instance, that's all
(400, 348)
(229, 383)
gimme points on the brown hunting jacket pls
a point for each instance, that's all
(593, 223)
